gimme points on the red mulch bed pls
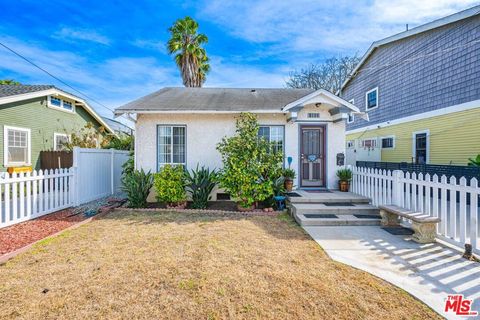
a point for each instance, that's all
(22, 234)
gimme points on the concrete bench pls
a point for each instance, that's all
(423, 225)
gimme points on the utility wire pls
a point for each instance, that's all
(55, 77)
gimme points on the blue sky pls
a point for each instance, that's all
(115, 50)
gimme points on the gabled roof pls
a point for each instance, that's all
(180, 99)
(14, 93)
(414, 31)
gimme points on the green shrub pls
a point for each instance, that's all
(289, 174)
(250, 164)
(475, 161)
(137, 185)
(170, 184)
(200, 183)
(344, 174)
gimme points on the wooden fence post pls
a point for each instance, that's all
(397, 187)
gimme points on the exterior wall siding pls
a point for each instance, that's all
(43, 122)
(454, 138)
(431, 80)
(204, 131)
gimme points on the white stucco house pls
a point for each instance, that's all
(184, 125)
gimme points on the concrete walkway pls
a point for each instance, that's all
(429, 272)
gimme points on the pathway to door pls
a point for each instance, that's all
(429, 272)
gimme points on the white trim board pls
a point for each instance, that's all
(305, 100)
(420, 116)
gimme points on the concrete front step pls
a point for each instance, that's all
(330, 199)
(345, 209)
(344, 220)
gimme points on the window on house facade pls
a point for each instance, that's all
(350, 144)
(420, 145)
(370, 143)
(313, 115)
(388, 143)
(371, 99)
(171, 147)
(273, 134)
(17, 146)
(57, 103)
(351, 116)
(59, 141)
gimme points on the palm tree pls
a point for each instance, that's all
(190, 57)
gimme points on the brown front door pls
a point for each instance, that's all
(312, 156)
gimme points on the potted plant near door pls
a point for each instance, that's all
(289, 176)
(344, 177)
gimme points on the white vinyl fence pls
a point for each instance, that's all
(96, 173)
(455, 201)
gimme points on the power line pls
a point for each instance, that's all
(55, 77)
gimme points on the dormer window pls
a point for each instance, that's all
(371, 99)
(60, 104)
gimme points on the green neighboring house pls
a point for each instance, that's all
(34, 118)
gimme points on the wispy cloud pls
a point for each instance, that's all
(70, 34)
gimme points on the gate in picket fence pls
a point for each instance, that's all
(96, 173)
(455, 201)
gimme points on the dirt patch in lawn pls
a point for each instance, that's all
(25, 233)
(190, 266)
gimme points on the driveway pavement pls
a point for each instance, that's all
(429, 272)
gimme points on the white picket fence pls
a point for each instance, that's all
(455, 201)
(96, 173)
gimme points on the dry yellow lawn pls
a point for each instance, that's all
(191, 266)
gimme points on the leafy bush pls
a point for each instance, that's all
(129, 165)
(137, 185)
(120, 142)
(170, 185)
(200, 183)
(289, 174)
(249, 164)
(474, 162)
(344, 174)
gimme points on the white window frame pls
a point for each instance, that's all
(414, 144)
(350, 114)
(160, 165)
(61, 108)
(352, 146)
(6, 163)
(366, 99)
(269, 137)
(55, 135)
(387, 137)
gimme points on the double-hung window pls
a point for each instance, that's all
(388, 142)
(371, 99)
(59, 141)
(171, 146)
(274, 135)
(17, 146)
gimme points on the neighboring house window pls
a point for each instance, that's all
(350, 144)
(420, 147)
(60, 104)
(388, 142)
(369, 143)
(59, 141)
(371, 99)
(351, 117)
(171, 145)
(273, 134)
(313, 115)
(17, 146)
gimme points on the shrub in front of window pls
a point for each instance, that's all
(200, 183)
(170, 186)
(250, 164)
(136, 184)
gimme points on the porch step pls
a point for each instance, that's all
(327, 197)
(343, 220)
(335, 208)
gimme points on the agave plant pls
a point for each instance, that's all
(137, 185)
(200, 183)
(474, 162)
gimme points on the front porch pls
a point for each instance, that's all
(331, 208)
